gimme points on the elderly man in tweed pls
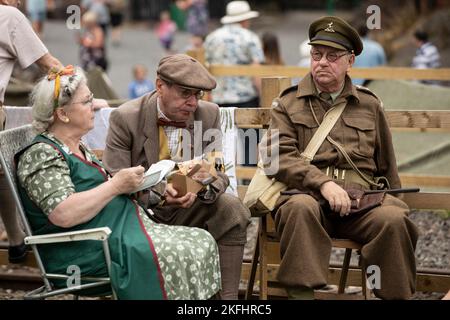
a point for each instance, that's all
(148, 129)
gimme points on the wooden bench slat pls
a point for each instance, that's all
(30, 261)
(421, 200)
(419, 119)
(407, 179)
(428, 200)
(378, 73)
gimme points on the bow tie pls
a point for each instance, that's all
(168, 123)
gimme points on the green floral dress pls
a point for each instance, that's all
(187, 257)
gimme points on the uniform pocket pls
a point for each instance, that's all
(359, 134)
(305, 125)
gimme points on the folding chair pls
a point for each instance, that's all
(11, 141)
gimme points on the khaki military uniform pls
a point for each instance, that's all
(304, 227)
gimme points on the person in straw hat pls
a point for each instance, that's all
(235, 44)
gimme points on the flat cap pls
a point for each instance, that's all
(335, 32)
(186, 72)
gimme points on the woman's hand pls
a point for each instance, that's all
(337, 197)
(127, 180)
(185, 201)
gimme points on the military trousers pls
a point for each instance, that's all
(388, 236)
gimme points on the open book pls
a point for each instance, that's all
(155, 174)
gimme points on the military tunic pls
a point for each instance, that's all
(305, 228)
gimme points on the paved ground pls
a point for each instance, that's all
(140, 44)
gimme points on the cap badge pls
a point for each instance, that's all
(330, 27)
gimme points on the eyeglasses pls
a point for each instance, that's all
(185, 93)
(331, 57)
(89, 101)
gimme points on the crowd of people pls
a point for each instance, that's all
(167, 245)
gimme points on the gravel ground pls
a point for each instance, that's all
(433, 251)
(433, 246)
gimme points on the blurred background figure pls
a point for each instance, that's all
(101, 10)
(271, 49)
(373, 55)
(116, 13)
(92, 43)
(37, 13)
(195, 43)
(305, 56)
(165, 30)
(197, 21)
(235, 44)
(427, 54)
(140, 85)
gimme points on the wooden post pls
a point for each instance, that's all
(271, 88)
(198, 54)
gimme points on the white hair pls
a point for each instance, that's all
(43, 104)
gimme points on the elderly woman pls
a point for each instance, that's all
(64, 188)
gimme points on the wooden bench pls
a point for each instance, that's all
(268, 247)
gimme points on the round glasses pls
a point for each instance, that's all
(331, 57)
(187, 93)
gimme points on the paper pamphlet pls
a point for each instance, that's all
(155, 174)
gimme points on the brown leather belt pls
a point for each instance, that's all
(345, 175)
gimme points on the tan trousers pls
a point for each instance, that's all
(388, 235)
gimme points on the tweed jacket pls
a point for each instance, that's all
(133, 135)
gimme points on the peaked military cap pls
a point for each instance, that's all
(186, 72)
(335, 32)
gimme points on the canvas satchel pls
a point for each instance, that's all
(263, 192)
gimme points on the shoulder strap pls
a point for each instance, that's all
(329, 120)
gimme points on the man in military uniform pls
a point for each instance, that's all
(306, 221)
(148, 129)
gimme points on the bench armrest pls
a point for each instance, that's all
(89, 234)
